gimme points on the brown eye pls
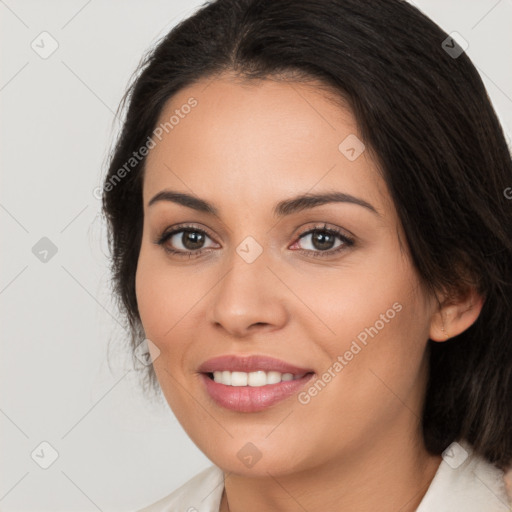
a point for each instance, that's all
(185, 241)
(191, 240)
(323, 241)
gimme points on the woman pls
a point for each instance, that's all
(310, 230)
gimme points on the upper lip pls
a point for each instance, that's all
(237, 363)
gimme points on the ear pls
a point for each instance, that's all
(455, 316)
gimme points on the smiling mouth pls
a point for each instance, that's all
(257, 378)
(250, 392)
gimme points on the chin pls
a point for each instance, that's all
(256, 458)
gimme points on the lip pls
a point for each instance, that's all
(248, 398)
(236, 363)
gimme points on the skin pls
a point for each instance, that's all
(357, 445)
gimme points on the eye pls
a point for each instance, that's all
(189, 241)
(184, 241)
(324, 241)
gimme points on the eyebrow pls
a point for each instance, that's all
(286, 207)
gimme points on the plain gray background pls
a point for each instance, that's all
(116, 451)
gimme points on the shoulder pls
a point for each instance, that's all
(202, 493)
(467, 482)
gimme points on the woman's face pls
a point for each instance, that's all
(346, 309)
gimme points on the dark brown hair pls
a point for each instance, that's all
(423, 110)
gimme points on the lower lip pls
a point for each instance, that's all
(252, 399)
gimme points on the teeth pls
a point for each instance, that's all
(238, 379)
(253, 379)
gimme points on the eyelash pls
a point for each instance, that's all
(347, 241)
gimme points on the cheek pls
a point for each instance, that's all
(380, 321)
(377, 290)
(152, 301)
(161, 306)
(164, 295)
(373, 365)
(168, 299)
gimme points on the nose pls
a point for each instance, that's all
(248, 298)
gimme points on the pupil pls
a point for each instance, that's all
(192, 239)
(322, 240)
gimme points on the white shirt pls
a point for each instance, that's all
(464, 482)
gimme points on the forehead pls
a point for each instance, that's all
(258, 139)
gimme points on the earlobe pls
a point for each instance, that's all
(452, 318)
